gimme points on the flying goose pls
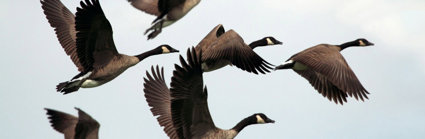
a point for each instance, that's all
(328, 72)
(222, 48)
(167, 12)
(183, 109)
(90, 44)
(81, 127)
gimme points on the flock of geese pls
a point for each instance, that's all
(182, 109)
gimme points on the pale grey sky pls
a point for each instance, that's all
(393, 70)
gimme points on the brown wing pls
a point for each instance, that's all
(148, 6)
(230, 46)
(63, 21)
(87, 127)
(323, 85)
(189, 99)
(95, 44)
(158, 97)
(210, 38)
(62, 122)
(331, 67)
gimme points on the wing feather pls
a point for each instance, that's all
(189, 104)
(148, 6)
(158, 97)
(63, 21)
(230, 46)
(62, 122)
(95, 44)
(333, 77)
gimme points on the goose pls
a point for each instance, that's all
(81, 127)
(90, 44)
(167, 12)
(328, 72)
(222, 48)
(183, 109)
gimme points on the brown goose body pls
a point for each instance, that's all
(81, 127)
(113, 69)
(328, 72)
(167, 12)
(87, 39)
(221, 48)
(183, 109)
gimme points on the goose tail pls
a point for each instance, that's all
(68, 86)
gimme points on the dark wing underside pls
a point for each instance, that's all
(329, 73)
(324, 86)
(230, 46)
(189, 104)
(95, 44)
(63, 21)
(158, 97)
(165, 6)
(87, 127)
(148, 6)
(62, 122)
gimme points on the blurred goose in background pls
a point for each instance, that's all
(87, 39)
(81, 127)
(167, 12)
(328, 72)
(183, 109)
(221, 48)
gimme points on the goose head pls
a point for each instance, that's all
(271, 41)
(261, 118)
(266, 41)
(363, 42)
(164, 49)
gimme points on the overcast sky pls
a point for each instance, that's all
(393, 71)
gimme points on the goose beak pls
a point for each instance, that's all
(279, 42)
(174, 50)
(270, 121)
(371, 44)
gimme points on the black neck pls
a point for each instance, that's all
(245, 122)
(257, 43)
(148, 53)
(348, 44)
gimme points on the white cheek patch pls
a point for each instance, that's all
(269, 42)
(260, 120)
(362, 43)
(165, 49)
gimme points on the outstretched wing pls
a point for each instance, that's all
(158, 97)
(62, 122)
(189, 100)
(63, 21)
(87, 127)
(95, 44)
(148, 6)
(230, 46)
(324, 86)
(210, 38)
(332, 72)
